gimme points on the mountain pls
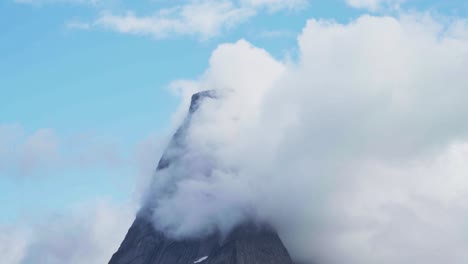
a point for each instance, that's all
(246, 244)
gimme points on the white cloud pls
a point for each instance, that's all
(90, 234)
(203, 19)
(24, 153)
(275, 5)
(356, 152)
(78, 25)
(39, 149)
(374, 5)
(200, 18)
(276, 34)
(27, 153)
(87, 233)
(12, 245)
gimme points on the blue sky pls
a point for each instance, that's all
(113, 85)
(80, 77)
(106, 84)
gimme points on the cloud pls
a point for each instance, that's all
(91, 234)
(12, 245)
(272, 34)
(275, 5)
(355, 152)
(375, 5)
(78, 25)
(85, 233)
(24, 153)
(202, 19)
(27, 153)
(39, 149)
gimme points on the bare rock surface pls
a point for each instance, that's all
(244, 245)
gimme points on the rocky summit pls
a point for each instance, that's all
(245, 244)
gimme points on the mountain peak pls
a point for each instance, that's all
(245, 244)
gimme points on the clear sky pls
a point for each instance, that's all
(85, 102)
(94, 82)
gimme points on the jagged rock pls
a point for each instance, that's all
(246, 244)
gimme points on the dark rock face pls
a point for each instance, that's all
(144, 245)
(246, 244)
(250, 245)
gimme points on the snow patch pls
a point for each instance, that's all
(201, 259)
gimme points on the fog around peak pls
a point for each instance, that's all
(355, 152)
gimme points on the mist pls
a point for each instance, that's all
(355, 152)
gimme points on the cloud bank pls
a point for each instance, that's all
(355, 152)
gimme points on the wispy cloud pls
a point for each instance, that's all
(275, 5)
(89, 234)
(202, 18)
(375, 5)
(24, 153)
(277, 34)
(78, 25)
